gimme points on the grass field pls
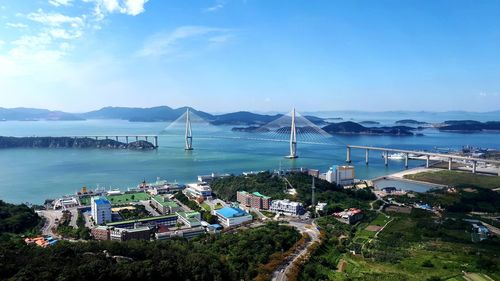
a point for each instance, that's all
(127, 198)
(206, 207)
(456, 178)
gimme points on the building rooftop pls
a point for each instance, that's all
(256, 193)
(165, 202)
(231, 212)
(101, 201)
(141, 220)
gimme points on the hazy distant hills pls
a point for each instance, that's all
(33, 114)
(153, 114)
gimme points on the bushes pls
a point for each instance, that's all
(17, 218)
(222, 257)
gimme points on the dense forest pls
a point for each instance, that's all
(235, 256)
(17, 218)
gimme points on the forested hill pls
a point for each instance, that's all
(67, 142)
(235, 256)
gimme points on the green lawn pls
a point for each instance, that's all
(206, 207)
(127, 198)
(456, 178)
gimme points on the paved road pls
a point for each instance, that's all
(313, 232)
(50, 221)
(74, 217)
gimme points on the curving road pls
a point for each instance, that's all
(313, 232)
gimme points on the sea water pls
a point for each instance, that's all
(32, 175)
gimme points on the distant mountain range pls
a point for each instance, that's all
(153, 114)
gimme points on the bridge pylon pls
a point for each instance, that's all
(189, 133)
(293, 139)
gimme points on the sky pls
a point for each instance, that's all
(258, 55)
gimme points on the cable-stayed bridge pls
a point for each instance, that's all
(292, 128)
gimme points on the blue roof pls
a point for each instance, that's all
(231, 212)
(101, 201)
(215, 225)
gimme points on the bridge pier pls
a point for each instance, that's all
(406, 160)
(366, 156)
(126, 139)
(386, 158)
(474, 167)
(156, 142)
(116, 138)
(106, 137)
(136, 138)
(427, 160)
(96, 138)
(146, 138)
(348, 158)
(450, 162)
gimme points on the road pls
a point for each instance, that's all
(50, 221)
(313, 232)
(74, 217)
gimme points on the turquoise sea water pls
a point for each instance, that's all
(32, 175)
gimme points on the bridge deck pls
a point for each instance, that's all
(458, 157)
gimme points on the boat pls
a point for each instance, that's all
(395, 156)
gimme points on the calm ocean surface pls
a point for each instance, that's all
(32, 175)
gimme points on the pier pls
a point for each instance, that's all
(443, 157)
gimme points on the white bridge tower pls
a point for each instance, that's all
(189, 132)
(293, 139)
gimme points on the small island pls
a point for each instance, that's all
(369, 123)
(469, 126)
(410, 122)
(68, 142)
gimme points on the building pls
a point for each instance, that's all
(320, 207)
(211, 177)
(100, 210)
(253, 200)
(66, 203)
(167, 220)
(341, 175)
(188, 233)
(198, 190)
(230, 216)
(100, 233)
(350, 216)
(214, 228)
(191, 219)
(126, 234)
(165, 189)
(164, 205)
(479, 232)
(287, 207)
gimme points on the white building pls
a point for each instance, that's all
(342, 175)
(101, 210)
(287, 207)
(199, 189)
(229, 216)
(320, 207)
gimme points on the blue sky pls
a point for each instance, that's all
(266, 55)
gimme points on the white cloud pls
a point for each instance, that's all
(60, 33)
(16, 25)
(128, 7)
(217, 6)
(167, 43)
(488, 94)
(55, 19)
(58, 3)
